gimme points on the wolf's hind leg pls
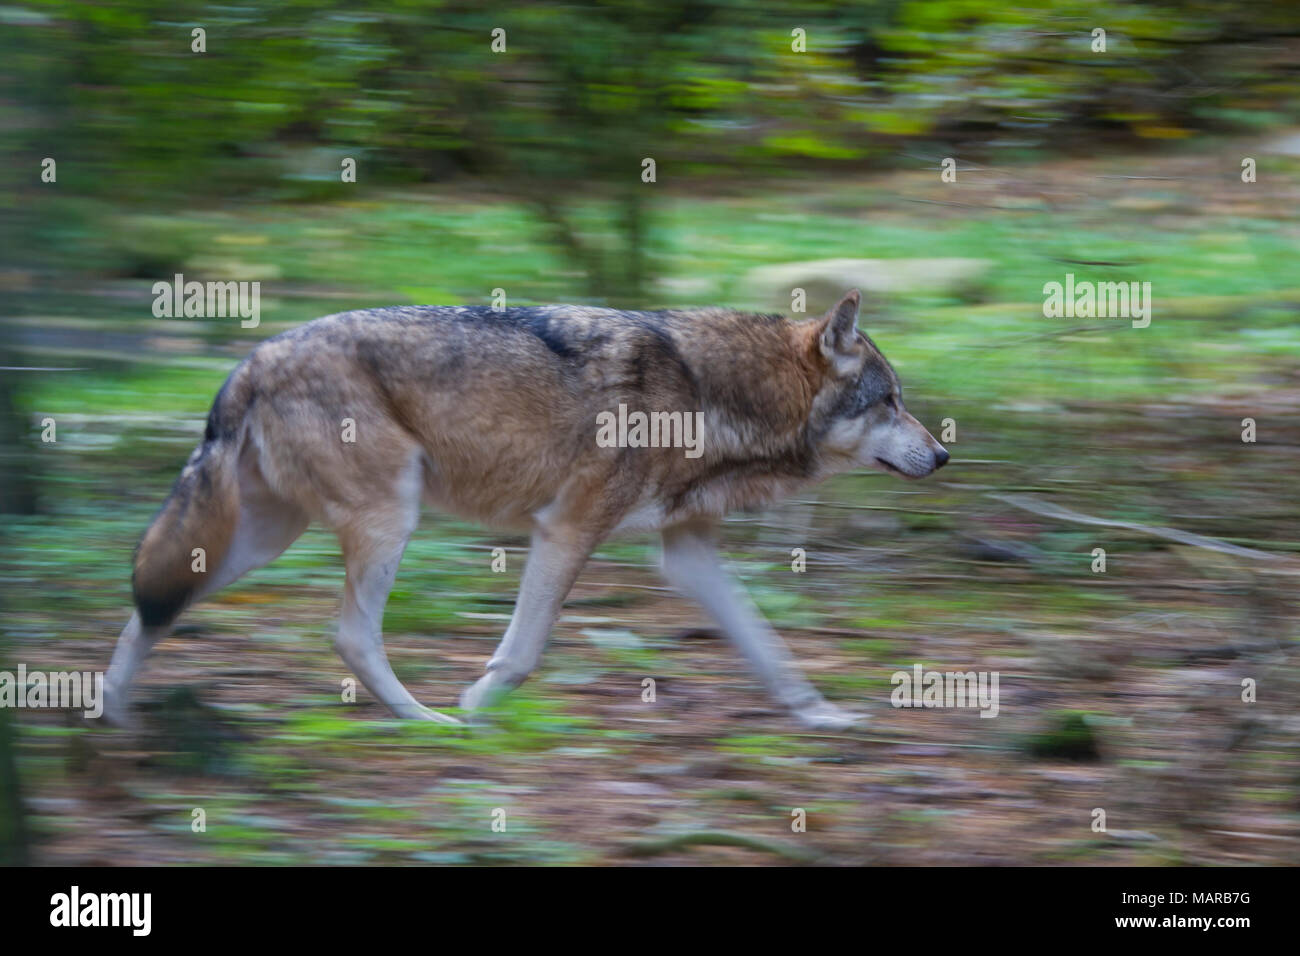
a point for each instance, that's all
(554, 560)
(373, 543)
(692, 565)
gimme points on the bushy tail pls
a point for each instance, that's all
(191, 534)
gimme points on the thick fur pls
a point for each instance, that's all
(493, 416)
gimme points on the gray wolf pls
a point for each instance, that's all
(492, 415)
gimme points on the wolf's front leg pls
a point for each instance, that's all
(554, 560)
(692, 565)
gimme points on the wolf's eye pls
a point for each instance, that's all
(890, 403)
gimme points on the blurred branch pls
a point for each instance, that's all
(1172, 534)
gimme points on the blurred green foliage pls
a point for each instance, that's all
(583, 92)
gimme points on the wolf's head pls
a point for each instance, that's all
(860, 405)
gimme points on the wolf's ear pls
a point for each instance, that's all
(838, 327)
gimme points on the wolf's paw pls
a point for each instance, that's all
(484, 692)
(117, 714)
(823, 715)
(420, 712)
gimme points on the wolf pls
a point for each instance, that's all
(358, 419)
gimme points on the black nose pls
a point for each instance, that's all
(941, 458)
